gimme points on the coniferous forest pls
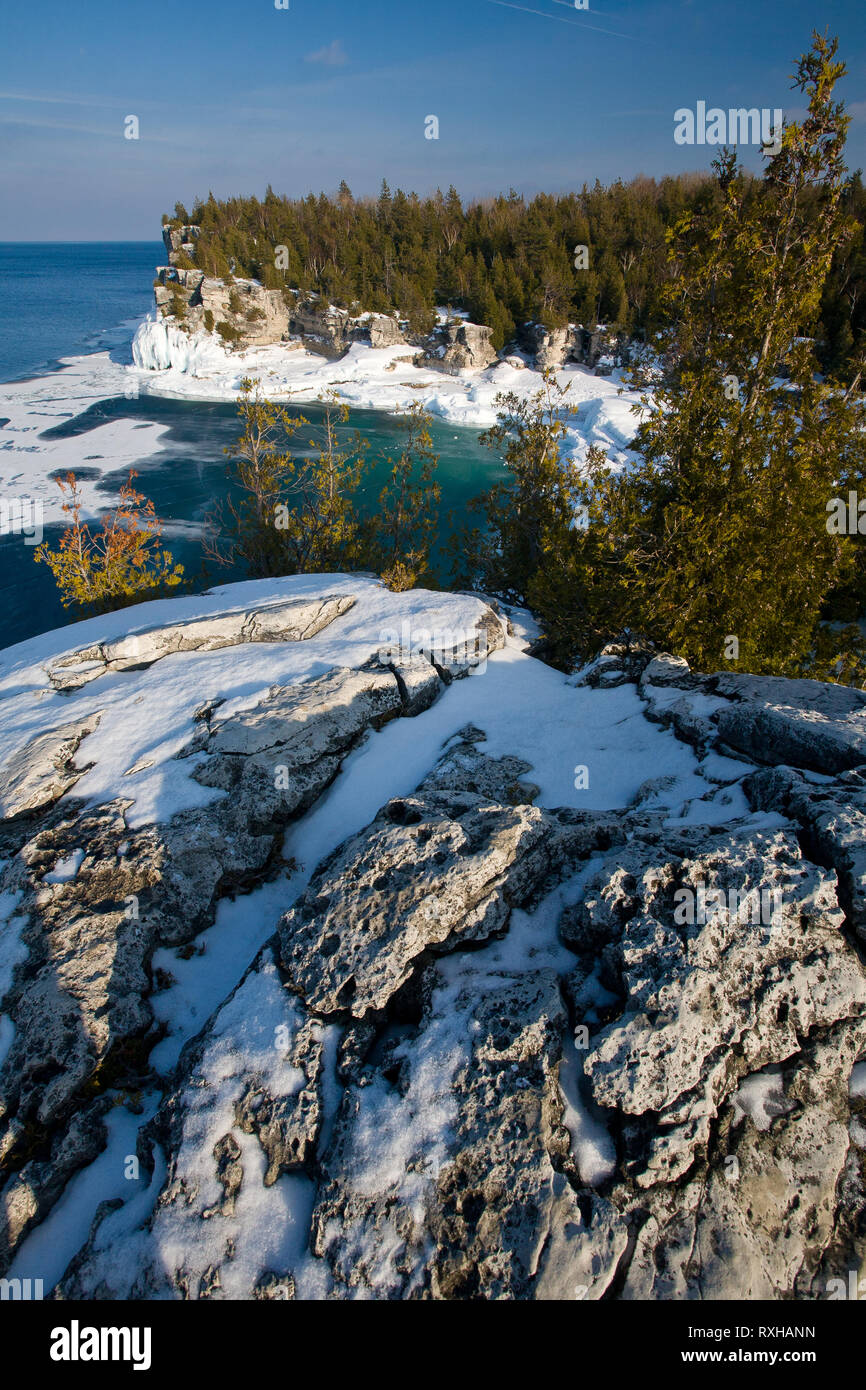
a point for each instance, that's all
(506, 260)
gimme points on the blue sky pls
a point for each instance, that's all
(233, 94)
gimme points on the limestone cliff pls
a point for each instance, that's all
(246, 314)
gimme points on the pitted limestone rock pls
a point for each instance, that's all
(432, 871)
(832, 816)
(98, 897)
(247, 1108)
(488, 1214)
(705, 1002)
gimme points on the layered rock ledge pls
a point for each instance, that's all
(480, 1045)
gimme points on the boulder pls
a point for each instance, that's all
(550, 347)
(460, 346)
(706, 1002)
(433, 871)
(478, 1206)
(801, 734)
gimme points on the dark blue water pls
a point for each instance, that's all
(59, 299)
(69, 299)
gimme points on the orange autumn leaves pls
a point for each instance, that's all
(121, 562)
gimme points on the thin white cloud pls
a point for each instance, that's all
(333, 55)
(55, 100)
(109, 133)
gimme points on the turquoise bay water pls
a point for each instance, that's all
(68, 300)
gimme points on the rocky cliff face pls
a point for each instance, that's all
(248, 315)
(481, 1044)
(251, 316)
(456, 347)
(598, 348)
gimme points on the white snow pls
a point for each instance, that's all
(7, 1034)
(857, 1081)
(66, 869)
(591, 1144)
(857, 1130)
(12, 952)
(200, 367)
(12, 949)
(761, 1097)
(269, 1225)
(524, 707)
(41, 403)
(46, 1252)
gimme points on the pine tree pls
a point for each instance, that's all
(399, 537)
(529, 515)
(721, 531)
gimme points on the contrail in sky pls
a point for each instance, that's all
(561, 18)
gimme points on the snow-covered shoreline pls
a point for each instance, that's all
(168, 363)
(199, 367)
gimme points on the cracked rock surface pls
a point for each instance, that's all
(476, 1044)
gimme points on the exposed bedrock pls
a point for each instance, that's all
(770, 719)
(93, 897)
(700, 1141)
(494, 1050)
(832, 818)
(38, 774)
(295, 620)
(722, 1081)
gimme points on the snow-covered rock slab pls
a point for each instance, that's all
(466, 1198)
(434, 870)
(98, 894)
(278, 757)
(41, 771)
(294, 621)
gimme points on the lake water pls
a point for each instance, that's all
(58, 299)
(68, 300)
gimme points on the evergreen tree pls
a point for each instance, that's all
(316, 515)
(400, 535)
(529, 515)
(721, 531)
